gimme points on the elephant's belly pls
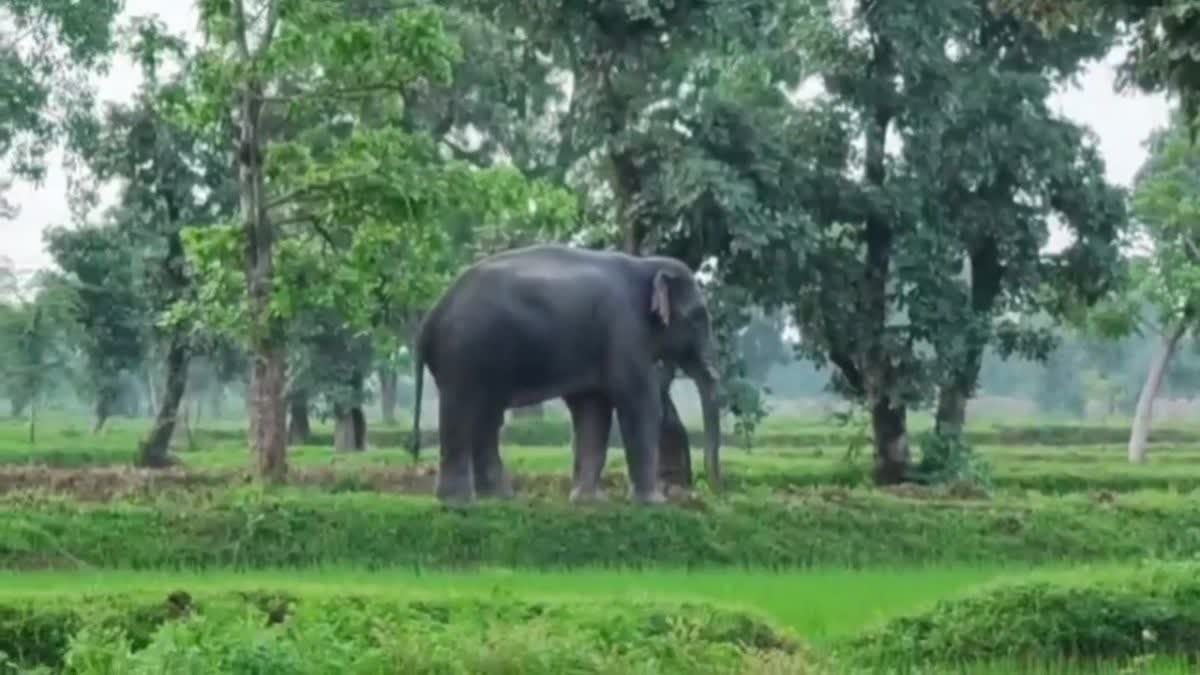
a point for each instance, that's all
(539, 394)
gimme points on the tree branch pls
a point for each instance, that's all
(269, 31)
(239, 27)
(347, 92)
(849, 370)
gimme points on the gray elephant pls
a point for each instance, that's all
(548, 321)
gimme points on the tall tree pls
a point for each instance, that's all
(36, 341)
(171, 178)
(1166, 279)
(98, 262)
(866, 248)
(632, 67)
(1024, 170)
(276, 61)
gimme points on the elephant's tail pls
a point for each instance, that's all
(418, 382)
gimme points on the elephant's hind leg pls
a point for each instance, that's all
(490, 478)
(455, 426)
(591, 422)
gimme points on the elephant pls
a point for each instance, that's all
(552, 321)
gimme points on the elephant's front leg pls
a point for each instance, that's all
(591, 422)
(640, 415)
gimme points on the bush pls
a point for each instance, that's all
(272, 633)
(1150, 610)
(831, 527)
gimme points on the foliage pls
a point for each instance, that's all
(1163, 36)
(1165, 204)
(872, 268)
(108, 304)
(48, 50)
(1145, 610)
(36, 343)
(637, 72)
(265, 631)
(949, 458)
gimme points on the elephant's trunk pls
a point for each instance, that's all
(706, 384)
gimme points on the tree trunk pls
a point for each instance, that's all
(103, 410)
(890, 426)
(215, 401)
(388, 378)
(152, 392)
(299, 429)
(951, 414)
(154, 450)
(350, 429)
(182, 436)
(1139, 435)
(33, 416)
(674, 447)
(268, 420)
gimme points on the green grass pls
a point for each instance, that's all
(781, 466)
(821, 528)
(800, 543)
(880, 613)
(819, 605)
(1112, 613)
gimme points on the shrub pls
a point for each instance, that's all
(827, 527)
(250, 633)
(1148, 610)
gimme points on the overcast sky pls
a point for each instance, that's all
(1121, 122)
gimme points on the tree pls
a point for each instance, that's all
(281, 62)
(634, 70)
(866, 249)
(132, 268)
(1002, 191)
(49, 49)
(35, 342)
(1166, 280)
(98, 264)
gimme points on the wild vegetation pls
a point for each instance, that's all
(949, 446)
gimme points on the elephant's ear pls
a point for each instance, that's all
(660, 299)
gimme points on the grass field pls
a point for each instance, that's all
(802, 568)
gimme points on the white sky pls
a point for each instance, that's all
(1121, 122)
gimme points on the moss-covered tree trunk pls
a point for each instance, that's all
(154, 450)
(675, 451)
(388, 380)
(889, 423)
(299, 427)
(268, 374)
(349, 429)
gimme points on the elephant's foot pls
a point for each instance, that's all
(587, 495)
(454, 491)
(498, 488)
(650, 497)
(679, 492)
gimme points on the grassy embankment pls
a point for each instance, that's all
(797, 571)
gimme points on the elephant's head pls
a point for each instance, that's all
(683, 336)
